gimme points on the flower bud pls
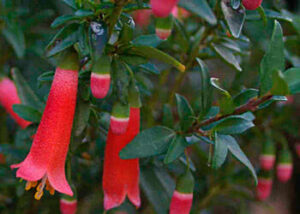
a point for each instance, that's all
(251, 4)
(100, 77)
(119, 118)
(162, 8)
(264, 187)
(284, 166)
(163, 27)
(182, 198)
(68, 206)
(142, 17)
(267, 158)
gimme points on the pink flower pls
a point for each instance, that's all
(251, 4)
(181, 203)
(142, 17)
(284, 171)
(263, 189)
(68, 206)
(162, 8)
(121, 177)
(267, 161)
(9, 97)
(46, 159)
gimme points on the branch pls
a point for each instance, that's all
(252, 105)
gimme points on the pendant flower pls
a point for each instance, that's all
(121, 177)
(251, 4)
(162, 8)
(182, 198)
(46, 159)
(68, 206)
(284, 168)
(9, 97)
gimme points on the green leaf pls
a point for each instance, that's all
(26, 94)
(147, 40)
(215, 83)
(292, 77)
(269, 102)
(185, 112)
(234, 125)
(234, 17)
(70, 3)
(157, 185)
(243, 97)
(83, 13)
(168, 119)
(153, 53)
(271, 14)
(273, 60)
(45, 77)
(227, 55)
(62, 20)
(236, 151)
(64, 44)
(220, 151)
(206, 88)
(81, 118)
(199, 8)
(263, 15)
(13, 33)
(176, 149)
(133, 59)
(27, 113)
(149, 67)
(153, 141)
(280, 86)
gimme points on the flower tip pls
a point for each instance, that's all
(251, 4)
(68, 207)
(162, 9)
(118, 125)
(100, 84)
(267, 161)
(263, 189)
(284, 172)
(163, 33)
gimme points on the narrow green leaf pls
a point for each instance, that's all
(62, 20)
(26, 94)
(234, 17)
(81, 118)
(280, 86)
(176, 149)
(273, 60)
(234, 125)
(147, 40)
(133, 59)
(215, 83)
(153, 53)
(149, 142)
(263, 15)
(220, 151)
(185, 112)
(168, 119)
(27, 113)
(149, 67)
(206, 88)
(64, 44)
(292, 77)
(83, 13)
(13, 33)
(245, 95)
(236, 151)
(227, 55)
(199, 8)
(70, 3)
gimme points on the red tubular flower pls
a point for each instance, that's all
(251, 4)
(267, 158)
(163, 27)
(119, 118)
(285, 166)
(121, 177)
(182, 198)
(263, 189)
(67, 206)
(162, 8)
(100, 77)
(46, 159)
(9, 97)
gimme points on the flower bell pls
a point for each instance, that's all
(100, 77)
(182, 198)
(119, 118)
(9, 97)
(264, 186)
(284, 166)
(163, 27)
(251, 4)
(267, 158)
(121, 177)
(162, 8)
(46, 159)
(68, 205)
